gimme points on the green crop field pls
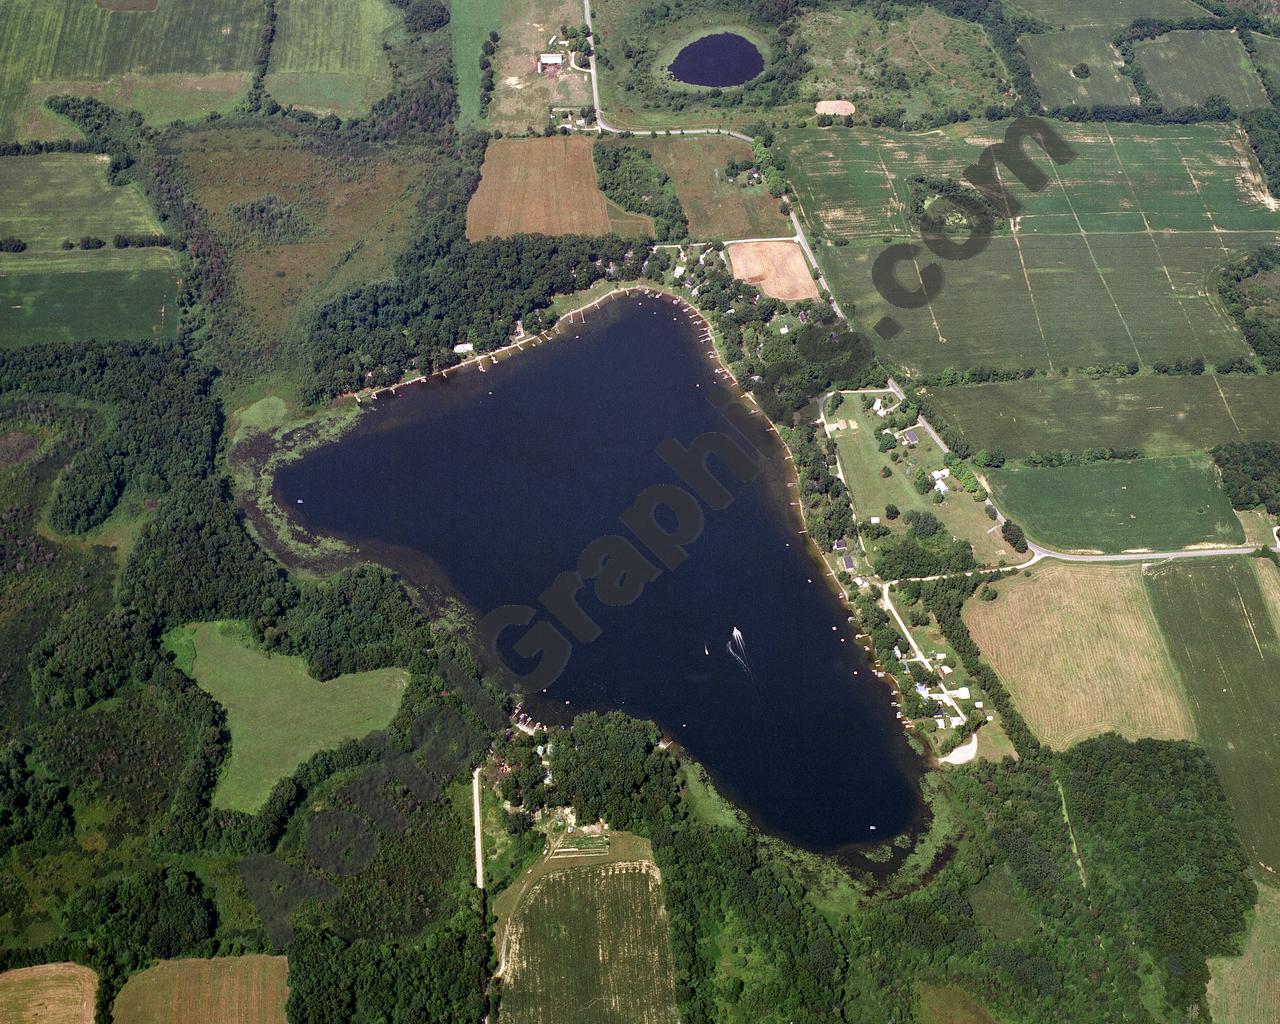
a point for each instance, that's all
(589, 944)
(943, 63)
(1145, 504)
(327, 54)
(1186, 68)
(1111, 262)
(278, 715)
(471, 21)
(1221, 620)
(1111, 14)
(1245, 989)
(1052, 55)
(1158, 414)
(50, 46)
(64, 196)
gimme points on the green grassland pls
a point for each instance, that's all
(76, 44)
(71, 303)
(1162, 415)
(1110, 14)
(327, 55)
(1186, 68)
(1245, 989)
(1110, 262)
(1267, 53)
(277, 714)
(1147, 504)
(862, 462)
(1221, 621)
(1052, 55)
(471, 21)
(914, 59)
(589, 944)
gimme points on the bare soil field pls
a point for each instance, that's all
(777, 268)
(1082, 653)
(834, 107)
(546, 186)
(228, 990)
(48, 994)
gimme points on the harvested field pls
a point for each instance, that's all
(1245, 989)
(544, 186)
(1111, 262)
(777, 268)
(1187, 67)
(48, 994)
(590, 944)
(1082, 654)
(717, 208)
(836, 108)
(1221, 621)
(228, 990)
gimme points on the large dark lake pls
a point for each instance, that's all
(723, 59)
(491, 484)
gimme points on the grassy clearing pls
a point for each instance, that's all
(920, 61)
(471, 21)
(48, 994)
(277, 714)
(522, 98)
(1159, 415)
(1186, 68)
(947, 1004)
(43, 307)
(1111, 262)
(590, 944)
(717, 207)
(1221, 620)
(327, 55)
(862, 463)
(1081, 651)
(1052, 55)
(243, 989)
(49, 46)
(1110, 14)
(997, 906)
(546, 186)
(1245, 989)
(1139, 505)
(703, 801)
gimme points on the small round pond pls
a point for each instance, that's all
(721, 60)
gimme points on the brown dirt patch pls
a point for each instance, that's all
(127, 5)
(228, 990)
(840, 107)
(16, 447)
(777, 268)
(547, 186)
(48, 994)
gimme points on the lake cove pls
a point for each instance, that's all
(722, 60)
(492, 485)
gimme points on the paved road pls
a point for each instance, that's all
(475, 816)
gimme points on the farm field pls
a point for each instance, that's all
(1221, 620)
(1052, 55)
(1111, 262)
(1246, 989)
(73, 46)
(1082, 653)
(589, 944)
(327, 54)
(546, 186)
(239, 989)
(1186, 68)
(278, 715)
(360, 219)
(1111, 14)
(1155, 504)
(470, 22)
(921, 61)
(48, 994)
(1159, 415)
(861, 463)
(946, 1004)
(522, 98)
(717, 208)
(1267, 53)
(778, 269)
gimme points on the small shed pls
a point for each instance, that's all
(550, 60)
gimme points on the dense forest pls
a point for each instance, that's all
(1251, 474)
